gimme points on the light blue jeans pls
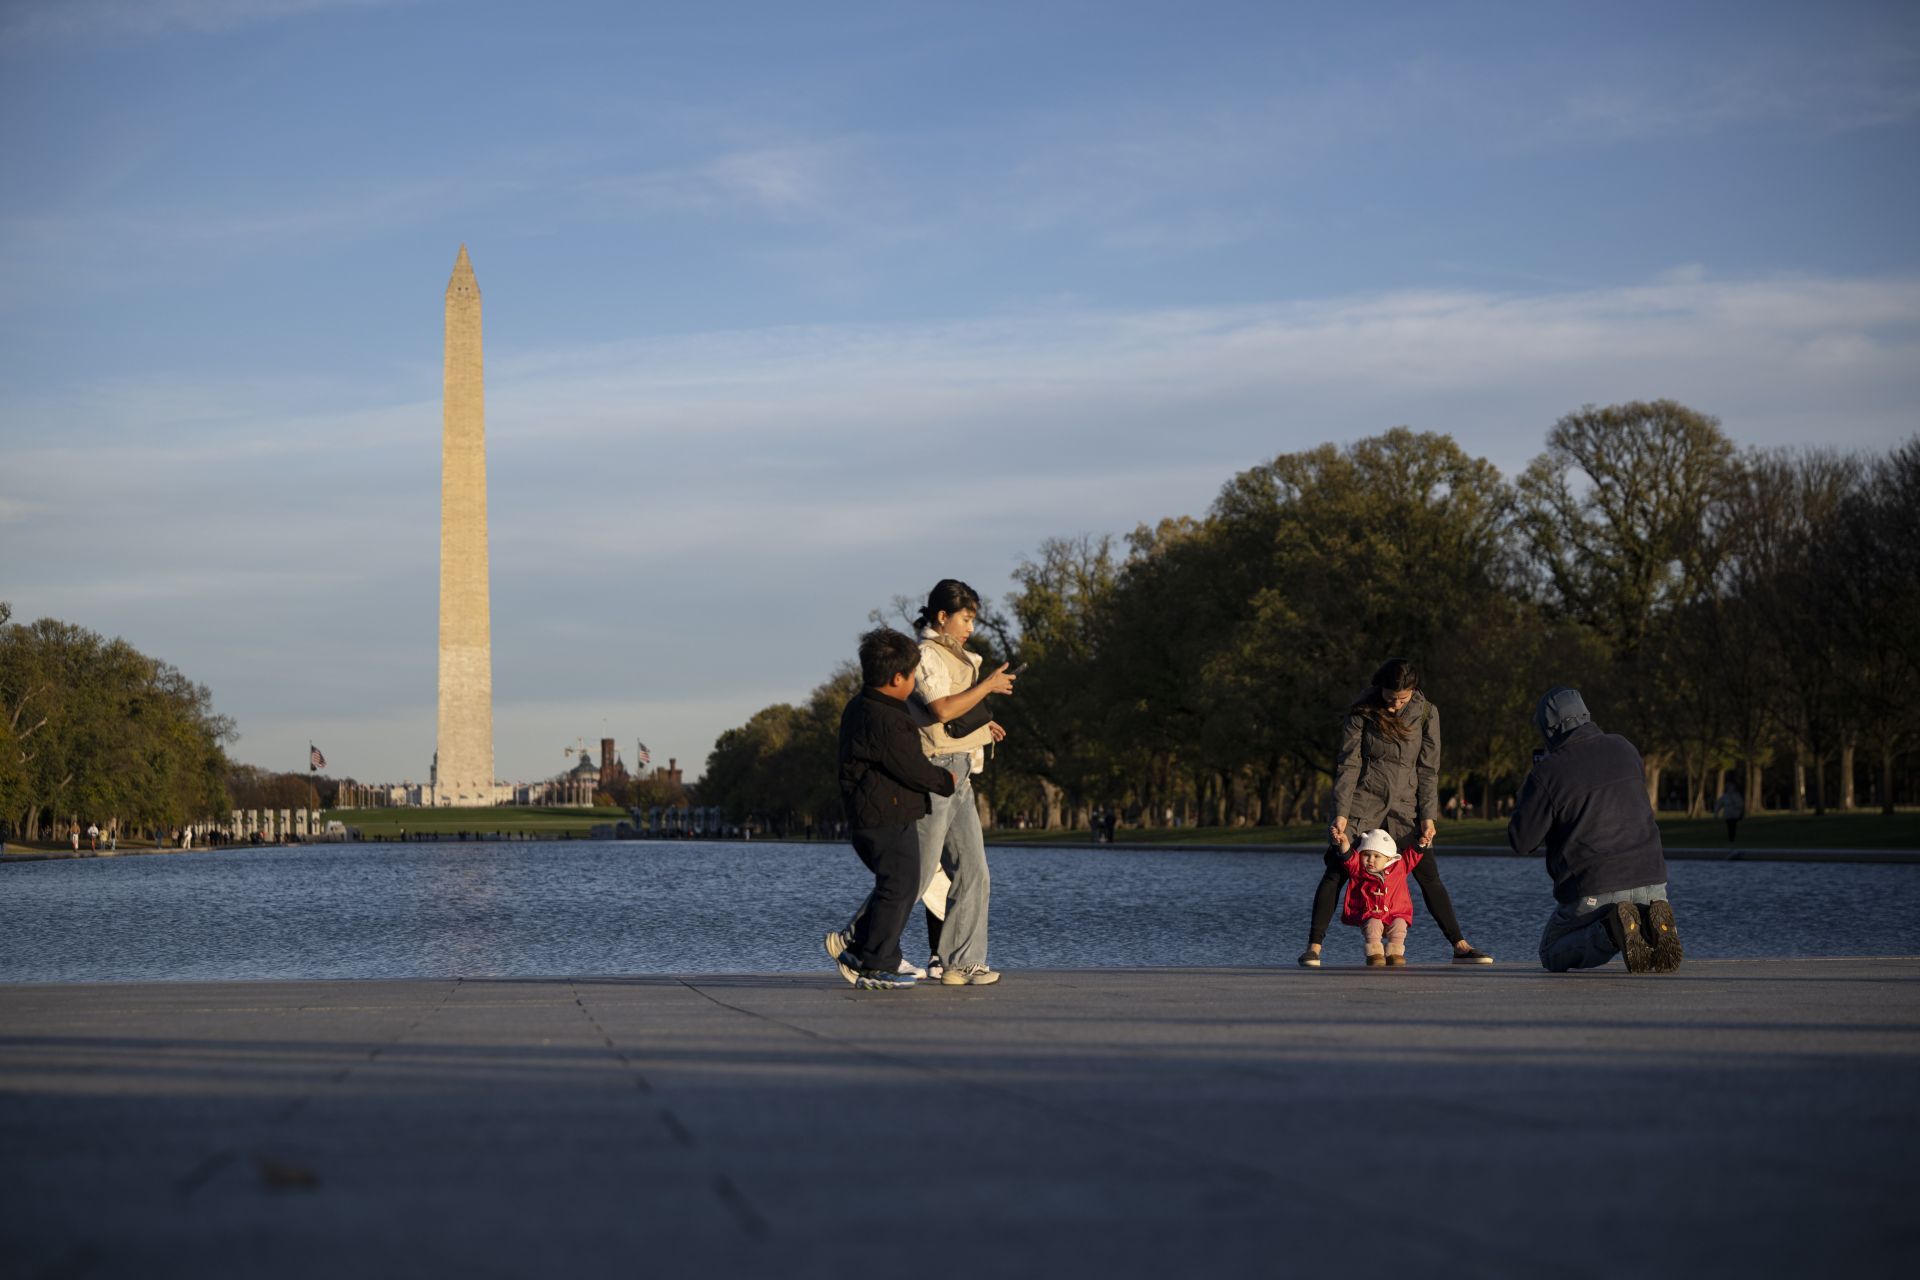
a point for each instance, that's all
(1576, 933)
(950, 836)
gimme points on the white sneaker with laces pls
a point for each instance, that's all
(973, 975)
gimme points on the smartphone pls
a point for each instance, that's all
(1016, 668)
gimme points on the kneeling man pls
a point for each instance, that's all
(1587, 802)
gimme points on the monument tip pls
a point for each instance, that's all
(462, 271)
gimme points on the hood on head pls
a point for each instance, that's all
(1560, 712)
(1377, 841)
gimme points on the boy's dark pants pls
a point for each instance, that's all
(893, 855)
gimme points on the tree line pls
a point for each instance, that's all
(94, 731)
(1749, 617)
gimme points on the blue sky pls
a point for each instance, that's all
(760, 277)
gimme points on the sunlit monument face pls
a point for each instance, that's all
(465, 737)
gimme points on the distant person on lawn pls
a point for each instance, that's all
(1730, 808)
(1587, 802)
(885, 782)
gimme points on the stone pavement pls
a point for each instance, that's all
(1736, 1118)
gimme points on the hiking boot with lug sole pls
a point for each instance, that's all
(1630, 935)
(1662, 935)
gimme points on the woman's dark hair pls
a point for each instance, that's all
(949, 595)
(884, 654)
(1392, 676)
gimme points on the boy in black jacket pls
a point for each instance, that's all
(884, 783)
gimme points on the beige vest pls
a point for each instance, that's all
(934, 738)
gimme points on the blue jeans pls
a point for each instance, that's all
(950, 836)
(1576, 933)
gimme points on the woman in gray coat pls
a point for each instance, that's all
(1387, 775)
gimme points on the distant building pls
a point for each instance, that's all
(381, 795)
(573, 789)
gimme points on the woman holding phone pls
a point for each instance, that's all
(948, 696)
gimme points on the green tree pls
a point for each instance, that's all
(1616, 515)
(1874, 558)
(1054, 718)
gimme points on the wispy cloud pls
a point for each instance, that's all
(71, 20)
(1832, 92)
(655, 497)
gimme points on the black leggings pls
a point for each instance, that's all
(1327, 896)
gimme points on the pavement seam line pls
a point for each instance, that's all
(216, 1162)
(753, 1222)
(1104, 1124)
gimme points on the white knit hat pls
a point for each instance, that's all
(1378, 841)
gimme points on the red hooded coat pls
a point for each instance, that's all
(1378, 897)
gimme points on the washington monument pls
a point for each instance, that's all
(465, 757)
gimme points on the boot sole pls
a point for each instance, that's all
(1624, 927)
(1664, 937)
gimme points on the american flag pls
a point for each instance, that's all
(314, 759)
(643, 755)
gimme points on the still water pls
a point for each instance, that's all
(601, 908)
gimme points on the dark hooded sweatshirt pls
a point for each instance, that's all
(1587, 802)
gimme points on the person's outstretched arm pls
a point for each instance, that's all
(1346, 776)
(1532, 817)
(1426, 790)
(900, 756)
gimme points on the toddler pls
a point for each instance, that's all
(1377, 900)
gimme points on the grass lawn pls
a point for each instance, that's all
(1855, 830)
(385, 823)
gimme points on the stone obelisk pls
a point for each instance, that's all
(465, 762)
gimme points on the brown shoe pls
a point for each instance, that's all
(1375, 959)
(1663, 935)
(1396, 960)
(1629, 934)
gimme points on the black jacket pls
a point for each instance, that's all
(884, 778)
(1587, 802)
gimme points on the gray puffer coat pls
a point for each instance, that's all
(1379, 781)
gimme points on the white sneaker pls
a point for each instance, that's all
(974, 975)
(835, 944)
(907, 966)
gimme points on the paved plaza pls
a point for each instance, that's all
(1736, 1118)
